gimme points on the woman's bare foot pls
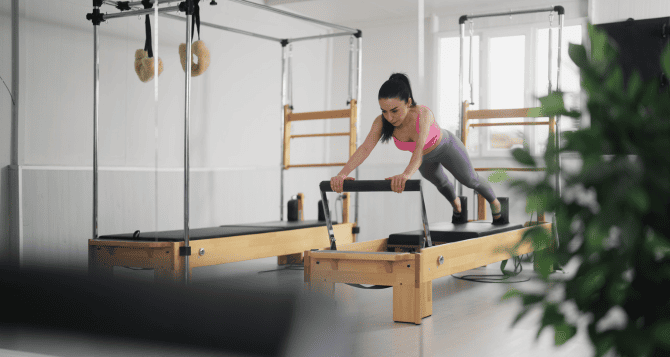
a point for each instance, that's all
(457, 205)
(496, 209)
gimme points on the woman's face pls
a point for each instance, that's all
(395, 110)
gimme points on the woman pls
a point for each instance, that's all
(409, 123)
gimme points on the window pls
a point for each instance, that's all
(514, 65)
(449, 106)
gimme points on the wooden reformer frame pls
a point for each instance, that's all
(164, 258)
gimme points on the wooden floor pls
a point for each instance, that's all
(468, 320)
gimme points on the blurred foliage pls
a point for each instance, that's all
(612, 217)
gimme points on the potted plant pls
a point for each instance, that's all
(620, 239)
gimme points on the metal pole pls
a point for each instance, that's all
(187, 124)
(96, 104)
(320, 37)
(511, 13)
(351, 70)
(202, 23)
(472, 87)
(558, 117)
(358, 111)
(281, 130)
(277, 11)
(550, 45)
(460, 95)
(138, 12)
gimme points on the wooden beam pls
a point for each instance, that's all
(287, 137)
(504, 113)
(318, 135)
(510, 169)
(317, 165)
(352, 127)
(513, 123)
(328, 114)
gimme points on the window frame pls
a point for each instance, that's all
(485, 34)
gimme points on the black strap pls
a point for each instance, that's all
(196, 19)
(147, 27)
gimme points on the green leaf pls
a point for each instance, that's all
(551, 316)
(603, 344)
(531, 299)
(634, 85)
(552, 104)
(563, 332)
(524, 157)
(639, 199)
(665, 60)
(598, 42)
(520, 315)
(498, 176)
(511, 293)
(578, 55)
(592, 281)
(502, 265)
(614, 82)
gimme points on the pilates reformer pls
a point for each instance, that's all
(410, 261)
(170, 253)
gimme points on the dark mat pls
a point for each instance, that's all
(217, 232)
(449, 233)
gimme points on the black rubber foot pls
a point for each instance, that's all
(463, 216)
(504, 211)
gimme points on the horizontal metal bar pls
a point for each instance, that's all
(277, 11)
(370, 185)
(514, 123)
(139, 3)
(317, 165)
(176, 17)
(510, 13)
(321, 36)
(318, 135)
(139, 12)
(510, 169)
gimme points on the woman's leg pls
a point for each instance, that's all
(434, 173)
(454, 157)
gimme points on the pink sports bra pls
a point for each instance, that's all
(433, 135)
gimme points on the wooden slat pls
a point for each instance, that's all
(264, 245)
(377, 245)
(510, 169)
(504, 113)
(352, 127)
(319, 135)
(513, 123)
(328, 114)
(368, 256)
(317, 165)
(287, 137)
(481, 207)
(472, 253)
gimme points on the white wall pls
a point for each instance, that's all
(5, 123)
(235, 126)
(605, 11)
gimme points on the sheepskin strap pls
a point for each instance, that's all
(147, 28)
(199, 50)
(144, 65)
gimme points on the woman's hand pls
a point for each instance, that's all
(337, 182)
(398, 182)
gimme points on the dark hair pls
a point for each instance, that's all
(397, 86)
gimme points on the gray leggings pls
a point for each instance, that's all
(452, 155)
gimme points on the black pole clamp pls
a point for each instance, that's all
(184, 251)
(95, 17)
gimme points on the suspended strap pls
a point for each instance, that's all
(147, 27)
(196, 19)
(372, 287)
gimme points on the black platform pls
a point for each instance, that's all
(444, 232)
(218, 232)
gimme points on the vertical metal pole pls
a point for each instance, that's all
(187, 125)
(550, 45)
(281, 130)
(460, 96)
(472, 71)
(96, 104)
(358, 109)
(351, 69)
(558, 117)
